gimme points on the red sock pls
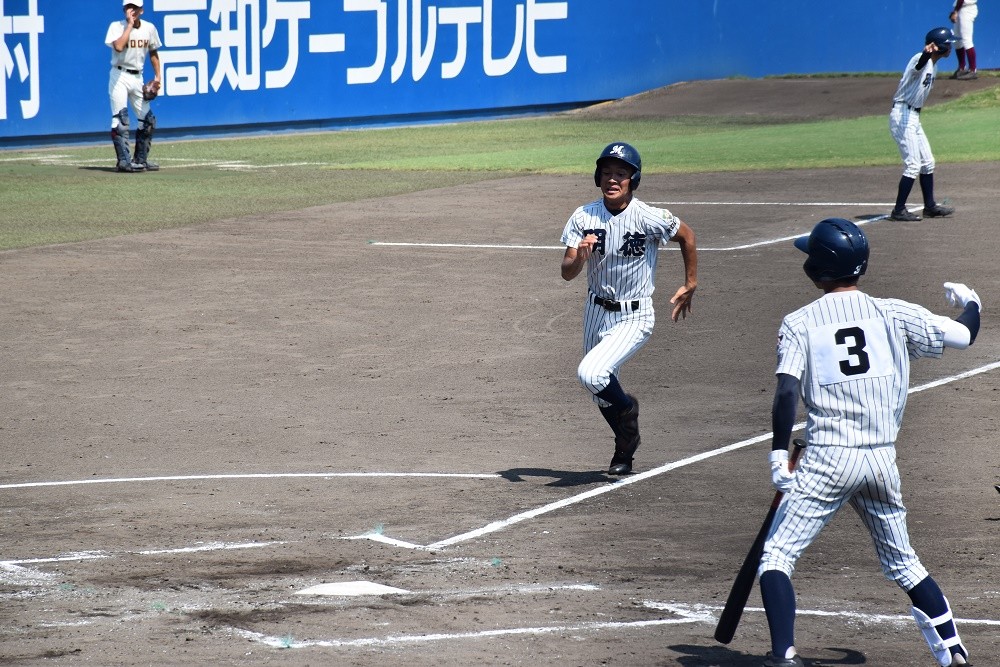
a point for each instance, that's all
(972, 58)
(960, 53)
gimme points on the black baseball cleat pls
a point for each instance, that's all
(150, 166)
(771, 661)
(938, 211)
(620, 465)
(904, 216)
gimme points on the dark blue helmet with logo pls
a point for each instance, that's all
(837, 250)
(627, 154)
(942, 38)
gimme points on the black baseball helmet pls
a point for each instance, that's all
(837, 250)
(942, 38)
(627, 154)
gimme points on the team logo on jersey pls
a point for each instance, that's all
(601, 235)
(928, 79)
(634, 245)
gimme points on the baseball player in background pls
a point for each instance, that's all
(615, 240)
(847, 355)
(130, 40)
(964, 17)
(904, 125)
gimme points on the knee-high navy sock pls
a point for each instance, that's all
(615, 395)
(927, 188)
(779, 604)
(903, 192)
(928, 598)
(611, 416)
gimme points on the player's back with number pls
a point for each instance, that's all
(855, 351)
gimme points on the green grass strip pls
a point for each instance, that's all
(68, 194)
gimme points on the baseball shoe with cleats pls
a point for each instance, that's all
(968, 76)
(904, 216)
(938, 211)
(130, 167)
(957, 74)
(621, 464)
(771, 661)
(150, 166)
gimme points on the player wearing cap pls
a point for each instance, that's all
(615, 240)
(847, 356)
(130, 40)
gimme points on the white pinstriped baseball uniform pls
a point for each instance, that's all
(851, 353)
(904, 119)
(622, 269)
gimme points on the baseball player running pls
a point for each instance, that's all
(130, 40)
(615, 239)
(847, 355)
(904, 125)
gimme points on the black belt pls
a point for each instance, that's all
(908, 106)
(130, 71)
(615, 306)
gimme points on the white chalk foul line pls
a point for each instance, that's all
(635, 479)
(498, 246)
(686, 613)
(175, 478)
(290, 642)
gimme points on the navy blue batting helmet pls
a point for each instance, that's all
(837, 250)
(627, 154)
(942, 38)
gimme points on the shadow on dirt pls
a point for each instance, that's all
(561, 477)
(713, 656)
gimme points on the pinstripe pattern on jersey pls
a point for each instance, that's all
(906, 130)
(865, 408)
(827, 477)
(609, 340)
(915, 84)
(624, 265)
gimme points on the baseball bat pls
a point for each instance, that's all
(740, 592)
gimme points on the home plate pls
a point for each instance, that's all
(351, 588)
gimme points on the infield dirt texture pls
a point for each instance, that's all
(238, 354)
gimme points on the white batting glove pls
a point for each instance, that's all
(959, 295)
(782, 478)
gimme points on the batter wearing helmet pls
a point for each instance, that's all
(130, 40)
(847, 356)
(904, 125)
(615, 240)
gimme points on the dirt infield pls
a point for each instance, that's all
(195, 422)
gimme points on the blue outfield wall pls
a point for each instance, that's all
(243, 65)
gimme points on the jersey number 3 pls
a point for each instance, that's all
(854, 339)
(858, 351)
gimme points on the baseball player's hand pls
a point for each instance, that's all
(953, 17)
(586, 247)
(959, 295)
(782, 478)
(682, 302)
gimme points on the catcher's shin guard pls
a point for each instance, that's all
(144, 140)
(119, 136)
(940, 647)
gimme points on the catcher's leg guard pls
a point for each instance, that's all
(144, 140)
(941, 648)
(119, 136)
